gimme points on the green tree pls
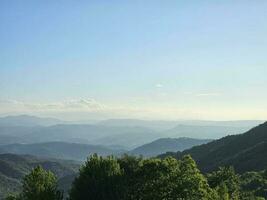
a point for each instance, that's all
(12, 197)
(228, 177)
(100, 178)
(38, 184)
(152, 179)
(190, 184)
(170, 179)
(222, 192)
(253, 183)
(130, 166)
(41, 185)
(130, 178)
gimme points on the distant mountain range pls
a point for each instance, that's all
(27, 120)
(120, 133)
(208, 131)
(156, 125)
(127, 137)
(59, 150)
(79, 152)
(166, 145)
(161, 125)
(14, 167)
(246, 152)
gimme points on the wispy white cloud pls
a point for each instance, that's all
(14, 102)
(159, 85)
(82, 109)
(68, 105)
(208, 94)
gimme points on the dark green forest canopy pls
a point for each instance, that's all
(246, 152)
(131, 178)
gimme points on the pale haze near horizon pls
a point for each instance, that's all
(134, 59)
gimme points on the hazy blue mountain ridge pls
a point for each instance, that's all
(166, 145)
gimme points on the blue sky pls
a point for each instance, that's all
(135, 59)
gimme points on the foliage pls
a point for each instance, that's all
(39, 184)
(135, 178)
(223, 192)
(99, 178)
(12, 197)
(131, 178)
(225, 178)
(254, 183)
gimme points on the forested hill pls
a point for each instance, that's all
(246, 152)
(14, 167)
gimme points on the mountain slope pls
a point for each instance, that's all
(166, 145)
(14, 167)
(60, 150)
(246, 152)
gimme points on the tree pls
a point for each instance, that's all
(100, 178)
(38, 184)
(222, 192)
(12, 197)
(130, 178)
(152, 179)
(190, 184)
(130, 166)
(226, 176)
(41, 185)
(253, 183)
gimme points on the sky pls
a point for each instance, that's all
(150, 59)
